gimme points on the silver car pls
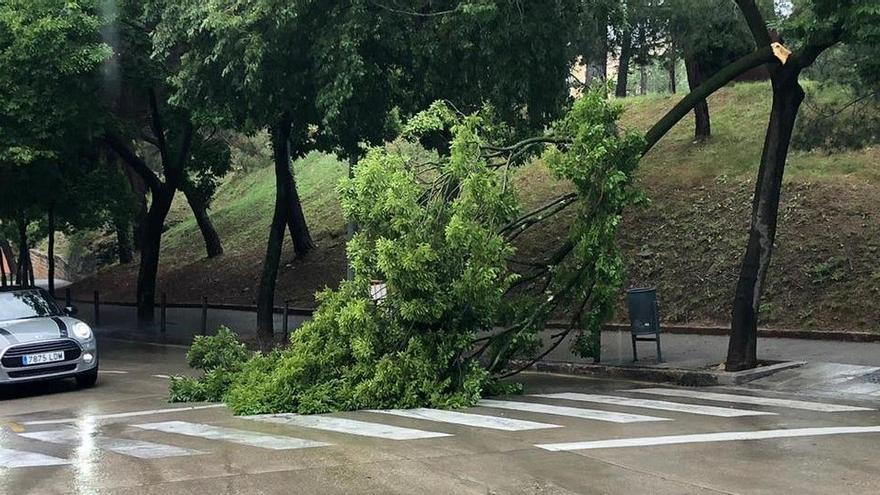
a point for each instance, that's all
(40, 341)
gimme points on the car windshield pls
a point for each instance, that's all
(21, 304)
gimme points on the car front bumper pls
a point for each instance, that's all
(50, 371)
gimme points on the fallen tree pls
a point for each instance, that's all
(435, 234)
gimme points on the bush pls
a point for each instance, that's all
(220, 357)
(835, 120)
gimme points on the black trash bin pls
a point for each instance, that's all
(644, 320)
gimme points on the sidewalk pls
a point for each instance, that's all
(824, 366)
(829, 368)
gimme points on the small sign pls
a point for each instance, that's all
(378, 291)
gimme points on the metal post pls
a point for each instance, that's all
(67, 299)
(204, 315)
(284, 323)
(162, 318)
(97, 303)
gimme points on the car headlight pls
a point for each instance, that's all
(82, 330)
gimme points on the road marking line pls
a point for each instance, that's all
(113, 372)
(573, 412)
(343, 425)
(133, 448)
(17, 458)
(749, 399)
(729, 436)
(162, 376)
(661, 405)
(243, 437)
(460, 418)
(100, 417)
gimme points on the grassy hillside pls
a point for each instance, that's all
(687, 241)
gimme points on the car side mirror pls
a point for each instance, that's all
(71, 310)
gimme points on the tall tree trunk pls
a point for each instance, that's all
(213, 246)
(10, 259)
(266, 291)
(787, 98)
(702, 126)
(672, 82)
(623, 64)
(24, 255)
(643, 65)
(123, 241)
(139, 190)
(150, 247)
(9, 256)
(2, 268)
(51, 249)
(296, 219)
(643, 80)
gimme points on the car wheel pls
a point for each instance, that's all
(87, 379)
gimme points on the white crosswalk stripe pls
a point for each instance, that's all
(129, 414)
(573, 412)
(10, 458)
(749, 399)
(134, 448)
(467, 419)
(350, 426)
(661, 405)
(728, 436)
(243, 437)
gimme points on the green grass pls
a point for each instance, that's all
(739, 116)
(243, 205)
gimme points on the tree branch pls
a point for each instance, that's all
(761, 56)
(755, 21)
(133, 161)
(158, 129)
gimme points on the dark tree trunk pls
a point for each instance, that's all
(51, 249)
(672, 82)
(266, 291)
(702, 126)
(643, 65)
(150, 247)
(6, 251)
(623, 65)
(139, 190)
(296, 219)
(24, 255)
(123, 241)
(643, 80)
(787, 98)
(213, 246)
(3, 262)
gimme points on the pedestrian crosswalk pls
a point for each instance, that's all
(293, 432)
(656, 404)
(10, 458)
(749, 399)
(573, 412)
(251, 438)
(124, 446)
(350, 426)
(466, 419)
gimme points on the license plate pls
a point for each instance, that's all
(45, 357)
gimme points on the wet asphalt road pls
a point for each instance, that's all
(120, 437)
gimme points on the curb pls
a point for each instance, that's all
(684, 377)
(772, 333)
